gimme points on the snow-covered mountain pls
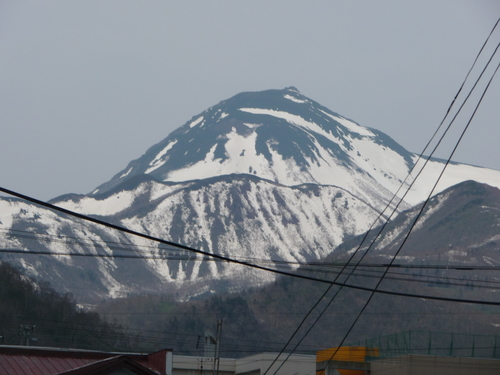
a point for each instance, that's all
(285, 137)
(281, 136)
(458, 227)
(266, 176)
(241, 216)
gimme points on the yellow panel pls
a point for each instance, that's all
(344, 353)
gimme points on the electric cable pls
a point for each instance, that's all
(419, 214)
(388, 205)
(166, 242)
(309, 265)
(358, 287)
(100, 222)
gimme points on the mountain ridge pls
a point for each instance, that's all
(272, 135)
(278, 308)
(283, 136)
(267, 176)
(458, 227)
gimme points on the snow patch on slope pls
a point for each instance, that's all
(7, 211)
(383, 164)
(123, 175)
(294, 99)
(350, 125)
(430, 210)
(292, 119)
(389, 237)
(454, 174)
(157, 162)
(92, 206)
(196, 122)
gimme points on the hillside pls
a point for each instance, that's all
(458, 227)
(264, 318)
(34, 314)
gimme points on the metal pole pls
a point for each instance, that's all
(25, 331)
(217, 347)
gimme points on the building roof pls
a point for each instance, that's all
(22, 360)
(110, 365)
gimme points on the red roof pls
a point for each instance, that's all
(21, 360)
(110, 365)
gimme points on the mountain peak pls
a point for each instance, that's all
(279, 135)
(286, 137)
(292, 88)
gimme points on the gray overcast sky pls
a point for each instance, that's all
(87, 86)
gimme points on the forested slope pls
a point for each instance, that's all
(33, 313)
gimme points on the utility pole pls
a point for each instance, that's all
(25, 331)
(217, 347)
(212, 347)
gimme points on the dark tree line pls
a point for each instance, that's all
(263, 319)
(33, 313)
(257, 320)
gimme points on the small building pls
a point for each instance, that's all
(258, 364)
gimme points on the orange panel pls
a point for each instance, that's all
(344, 353)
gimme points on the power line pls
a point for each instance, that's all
(221, 258)
(298, 313)
(120, 246)
(425, 203)
(305, 267)
(388, 205)
(309, 266)
(468, 282)
(367, 289)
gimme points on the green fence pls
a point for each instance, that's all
(435, 343)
